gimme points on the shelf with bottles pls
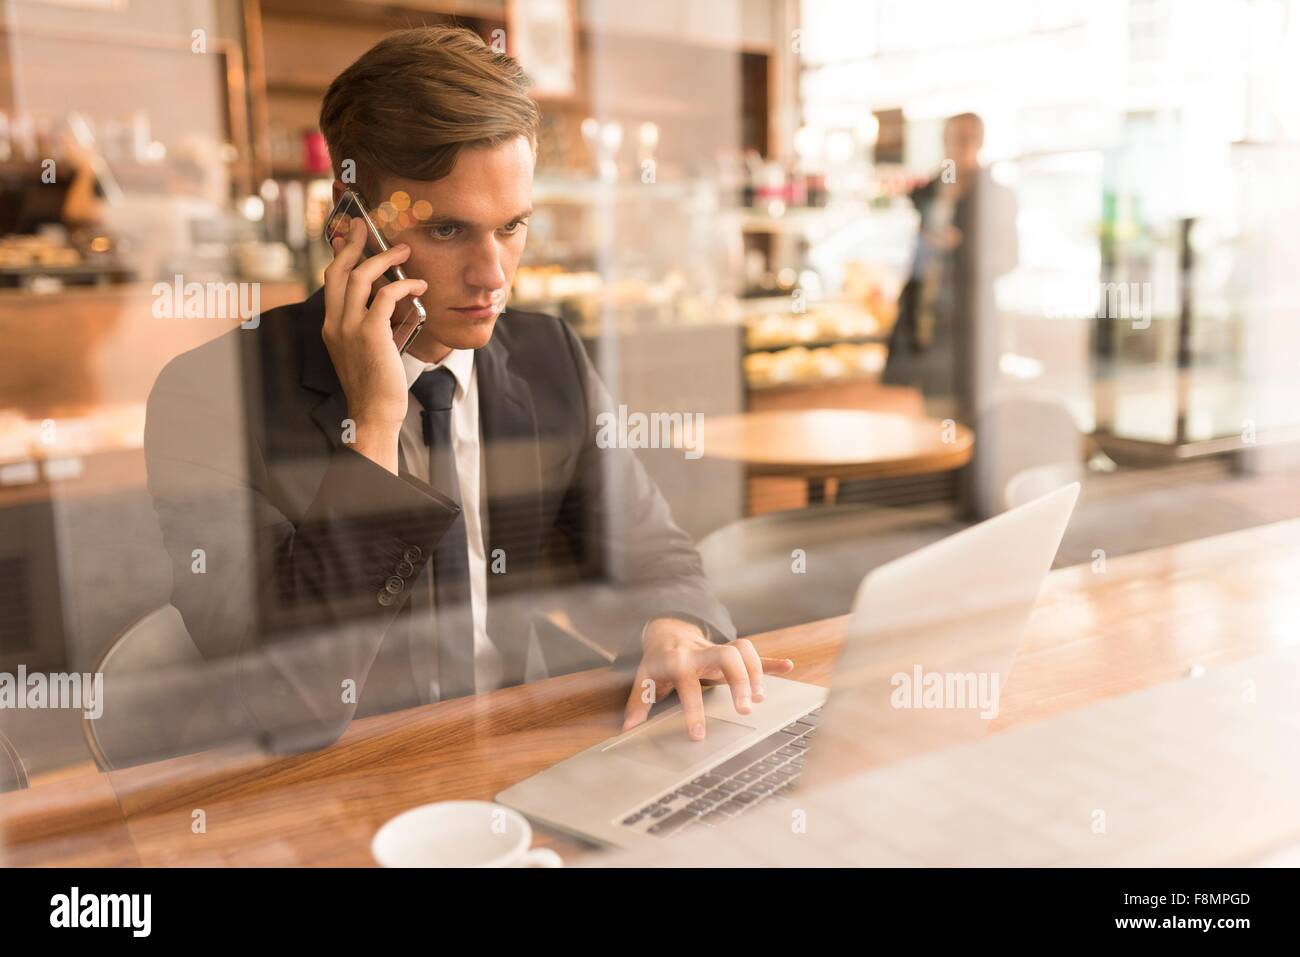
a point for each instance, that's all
(777, 198)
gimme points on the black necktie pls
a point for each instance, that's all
(434, 391)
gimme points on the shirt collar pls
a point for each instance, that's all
(459, 361)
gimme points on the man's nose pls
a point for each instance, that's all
(485, 270)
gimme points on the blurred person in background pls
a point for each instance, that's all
(967, 239)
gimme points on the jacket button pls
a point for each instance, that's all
(405, 569)
(394, 585)
(386, 598)
(413, 553)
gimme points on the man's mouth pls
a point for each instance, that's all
(475, 312)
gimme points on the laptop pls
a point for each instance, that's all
(928, 649)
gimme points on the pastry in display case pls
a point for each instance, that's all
(542, 284)
(824, 325)
(802, 366)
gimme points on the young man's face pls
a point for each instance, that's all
(466, 233)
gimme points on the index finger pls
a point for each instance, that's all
(687, 683)
(347, 253)
(638, 708)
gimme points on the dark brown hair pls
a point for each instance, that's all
(408, 105)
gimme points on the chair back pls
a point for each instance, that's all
(161, 698)
(13, 774)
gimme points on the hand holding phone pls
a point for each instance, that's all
(408, 316)
(358, 333)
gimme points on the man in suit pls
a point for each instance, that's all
(362, 529)
(946, 329)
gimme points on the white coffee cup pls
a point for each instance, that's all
(460, 834)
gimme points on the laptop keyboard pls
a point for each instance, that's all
(762, 772)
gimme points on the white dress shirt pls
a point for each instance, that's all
(465, 444)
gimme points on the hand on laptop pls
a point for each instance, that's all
(677, 656)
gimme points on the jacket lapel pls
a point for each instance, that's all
(512, 478)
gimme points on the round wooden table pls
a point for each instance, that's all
(820, 444)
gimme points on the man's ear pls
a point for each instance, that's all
(339, 190)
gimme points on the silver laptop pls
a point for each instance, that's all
(928, 649)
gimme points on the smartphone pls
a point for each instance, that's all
(409, 315)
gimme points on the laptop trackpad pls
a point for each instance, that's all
(664, 744)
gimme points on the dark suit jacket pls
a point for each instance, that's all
(282, 538)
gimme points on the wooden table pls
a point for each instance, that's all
(842, 444)
(1148, 618)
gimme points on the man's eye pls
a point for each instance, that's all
(443, 232)
(510, 228)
